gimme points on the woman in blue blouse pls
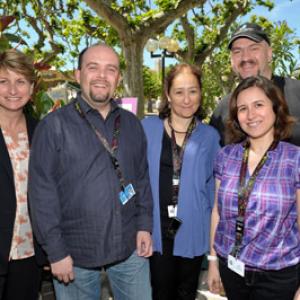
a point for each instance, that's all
(254, 219)
(181, 150)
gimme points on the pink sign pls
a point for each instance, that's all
(129, 103)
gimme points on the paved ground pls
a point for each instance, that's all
(203, 293)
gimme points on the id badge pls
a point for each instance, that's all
(236, 265)
(172, 211)
(175, 181)
(127, 194)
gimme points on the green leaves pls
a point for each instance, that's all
(152, 84)
(57, 30)
(41, 105)
(4, 44)
(6, 39)
(12, 38)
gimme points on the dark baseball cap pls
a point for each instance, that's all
(250, 31)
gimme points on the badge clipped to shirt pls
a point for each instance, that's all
(126, 194)
(236, 265)
(175, 181)
(172, 211)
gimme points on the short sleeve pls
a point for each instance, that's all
(297, 181)
(218, 164)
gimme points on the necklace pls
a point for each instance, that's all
(176, 131)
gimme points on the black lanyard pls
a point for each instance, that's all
(244, 192)
(177, 158)
(114, 144)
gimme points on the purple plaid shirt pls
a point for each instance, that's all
(271, 238)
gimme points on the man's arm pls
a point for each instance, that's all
(43, 189)
(143, 188)
(298, 208)
(213, 278)
(292, 96)
(219, 116)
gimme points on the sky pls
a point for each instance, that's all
(284, 10)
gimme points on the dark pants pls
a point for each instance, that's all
(260, 285)
(22, 281)
(174, 277)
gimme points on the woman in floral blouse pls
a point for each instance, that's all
(19, 273)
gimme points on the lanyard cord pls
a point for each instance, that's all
(114, 145)
(177, 157)
(244, 192)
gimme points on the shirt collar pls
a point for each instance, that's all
(275, 150)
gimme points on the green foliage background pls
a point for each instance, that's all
(54, 32)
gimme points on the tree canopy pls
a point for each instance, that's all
(56, 30)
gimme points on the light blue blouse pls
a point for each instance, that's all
(196, 193)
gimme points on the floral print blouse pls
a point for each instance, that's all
(22, 241)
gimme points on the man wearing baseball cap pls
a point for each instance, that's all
(251, 55)
(250, 31)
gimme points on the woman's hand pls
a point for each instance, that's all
(213, 278)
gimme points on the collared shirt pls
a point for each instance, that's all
(22, 240)
(271, 238)
(74, 189)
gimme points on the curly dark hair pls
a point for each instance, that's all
(164, 108)
(283, 123)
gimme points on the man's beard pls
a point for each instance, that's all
(99, 97)
(251, 62)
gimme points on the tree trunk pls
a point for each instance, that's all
(133, 76)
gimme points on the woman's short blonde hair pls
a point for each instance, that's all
(18, 62)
